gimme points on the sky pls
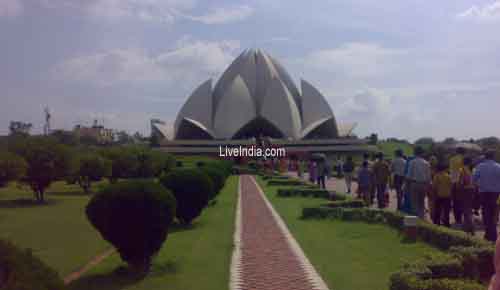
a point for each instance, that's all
(402, 69)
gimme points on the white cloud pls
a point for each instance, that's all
(160, 11)
(354, 59)
(486, 12)
(224, 15)
(10, 8)
(188, 62)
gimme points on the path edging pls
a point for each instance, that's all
(235, 280)
(312, 275)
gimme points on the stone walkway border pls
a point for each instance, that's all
(235, 282)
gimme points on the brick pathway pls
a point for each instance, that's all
(270, 259)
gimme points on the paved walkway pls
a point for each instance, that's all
(266, 256)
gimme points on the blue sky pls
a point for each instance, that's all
(398, 68)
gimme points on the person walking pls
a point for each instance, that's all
(441, 193)
(321, 174)
(381, 174)
(419, 174)
(365, 183)
(312, 171)
(348, 169)
(487, 177)
(456, 166)
(398, 170)
(468, 192)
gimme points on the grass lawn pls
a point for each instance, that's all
(348, 255)
(388, 148)
(58, 232)
(194, 258)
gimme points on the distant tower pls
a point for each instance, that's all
(46, 127)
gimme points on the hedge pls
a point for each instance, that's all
(349, 203)
(468, 259)
(20, 270)
(306, 192)
(284, 182)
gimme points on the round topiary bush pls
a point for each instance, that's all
(192, 189)
(20, 270)
(218, 178)
(135, 217)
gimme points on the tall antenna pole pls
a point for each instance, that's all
(46, 127)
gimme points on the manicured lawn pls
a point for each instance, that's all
(348, 255)
(57, 232)
(388, 148)
(194, 258)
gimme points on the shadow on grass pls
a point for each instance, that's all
(26, 203)
(178, 227)
(69, 193)
(116, 280)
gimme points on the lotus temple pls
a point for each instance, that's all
(256, 97)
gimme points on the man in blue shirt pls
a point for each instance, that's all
(487, 177)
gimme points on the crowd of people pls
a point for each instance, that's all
(424, 185)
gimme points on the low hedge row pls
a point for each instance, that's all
(306, 192)
(348, 203)
(468, 259)
(20, 270)
(284, 182)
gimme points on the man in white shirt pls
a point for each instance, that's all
(398, 175)
(419, 172)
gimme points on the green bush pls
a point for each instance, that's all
(12, 168)
(350, 203)
(218, 178)
(134, 216)
(20, 270)
(284, 182)
(289, 192)
(192, 189)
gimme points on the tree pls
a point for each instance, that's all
(134, 216)
(124, 163)
(19, 128)
(12, 167)
(425, 141)
(124, 138)
(91, 168)
(450, 141)
(65, 137)
(373, 139)
(47, 161)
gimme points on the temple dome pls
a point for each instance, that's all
(255, 96)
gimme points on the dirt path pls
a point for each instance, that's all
(94, 262)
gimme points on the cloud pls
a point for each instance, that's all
(354, 59)
(160, 11)
(486, 12)
(188, 62)
(224, 15)
(10, 8)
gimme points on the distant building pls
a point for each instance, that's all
(97, 132)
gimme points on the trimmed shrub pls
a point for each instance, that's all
(218, 178)
(20, 270)
(284, 182)
(134, 216)
(289, 192)
(91, 168)
(350, 203)
(192, 189)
